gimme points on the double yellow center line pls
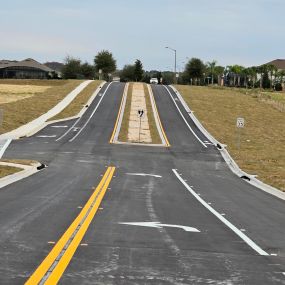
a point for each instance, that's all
(54, 265)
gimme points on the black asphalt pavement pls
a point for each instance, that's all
(36, 211)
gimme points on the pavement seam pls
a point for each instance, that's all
(55, 263)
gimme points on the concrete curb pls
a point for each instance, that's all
(37, 124)
(156, 117)
(116, 132)
(115, 135)
(28, 170)
(251, 179)
(82, 111)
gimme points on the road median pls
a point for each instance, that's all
(138, 120)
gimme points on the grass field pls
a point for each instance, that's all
(79, 102)
(10, 93)
(20, 112)
(123, 135)
(262, 150)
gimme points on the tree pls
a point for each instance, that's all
(211, 66)
(272, 71)
(128, 73)
(104, 61)
(87, 70)
(194, 70)
(71, 68)
(138, 72)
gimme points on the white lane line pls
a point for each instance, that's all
(4, 147)
(185, 119)
(75, 123)
(245, 238)
(59, 126)
(144, 174)
(90, 117)
(46, 136)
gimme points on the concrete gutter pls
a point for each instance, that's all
(37, 124)
(27, 171)
(251, 179)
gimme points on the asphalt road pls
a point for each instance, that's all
(36, 211)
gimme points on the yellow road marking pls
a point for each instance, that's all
(57, 272)
(119, 113)
(159, 121)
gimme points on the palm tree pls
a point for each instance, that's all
(212, 66)
(272, 71)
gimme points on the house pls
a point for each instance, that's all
(25, 69)
(278, 63)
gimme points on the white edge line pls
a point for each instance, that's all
(245, 238)
(155, 114)
(185, 119)
(90, 117)
(5, 146)
(115, 139)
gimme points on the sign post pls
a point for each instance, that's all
(1, 117)
(140, 116)
(240, 124)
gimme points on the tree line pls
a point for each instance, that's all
(103, 67)
(196, 72)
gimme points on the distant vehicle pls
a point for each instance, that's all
(116, 79)
(153, 81)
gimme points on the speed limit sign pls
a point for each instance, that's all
(240, 122)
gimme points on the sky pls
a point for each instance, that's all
(245, 32)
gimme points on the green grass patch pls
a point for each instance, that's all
(123, 135)
(18, 113)
(79, 102)
(262, 139)
(151, 121)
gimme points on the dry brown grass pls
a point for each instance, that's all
(151, 121)
(262, 149)
(34, 82)
(20, 161)
(21, 112)
(79, 102)
(123, 135)
(10, 92)
(8, 170)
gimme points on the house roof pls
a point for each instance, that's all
(278, 63)
(29, 62)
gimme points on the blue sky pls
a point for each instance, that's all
(246, 32)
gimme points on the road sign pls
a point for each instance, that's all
(140, 113)
(240, 122)
(158, 225)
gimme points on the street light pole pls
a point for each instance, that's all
(175, 78)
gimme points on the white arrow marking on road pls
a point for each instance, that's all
(158, 225)
(44, 136)
(144, 174)
(59, 126)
